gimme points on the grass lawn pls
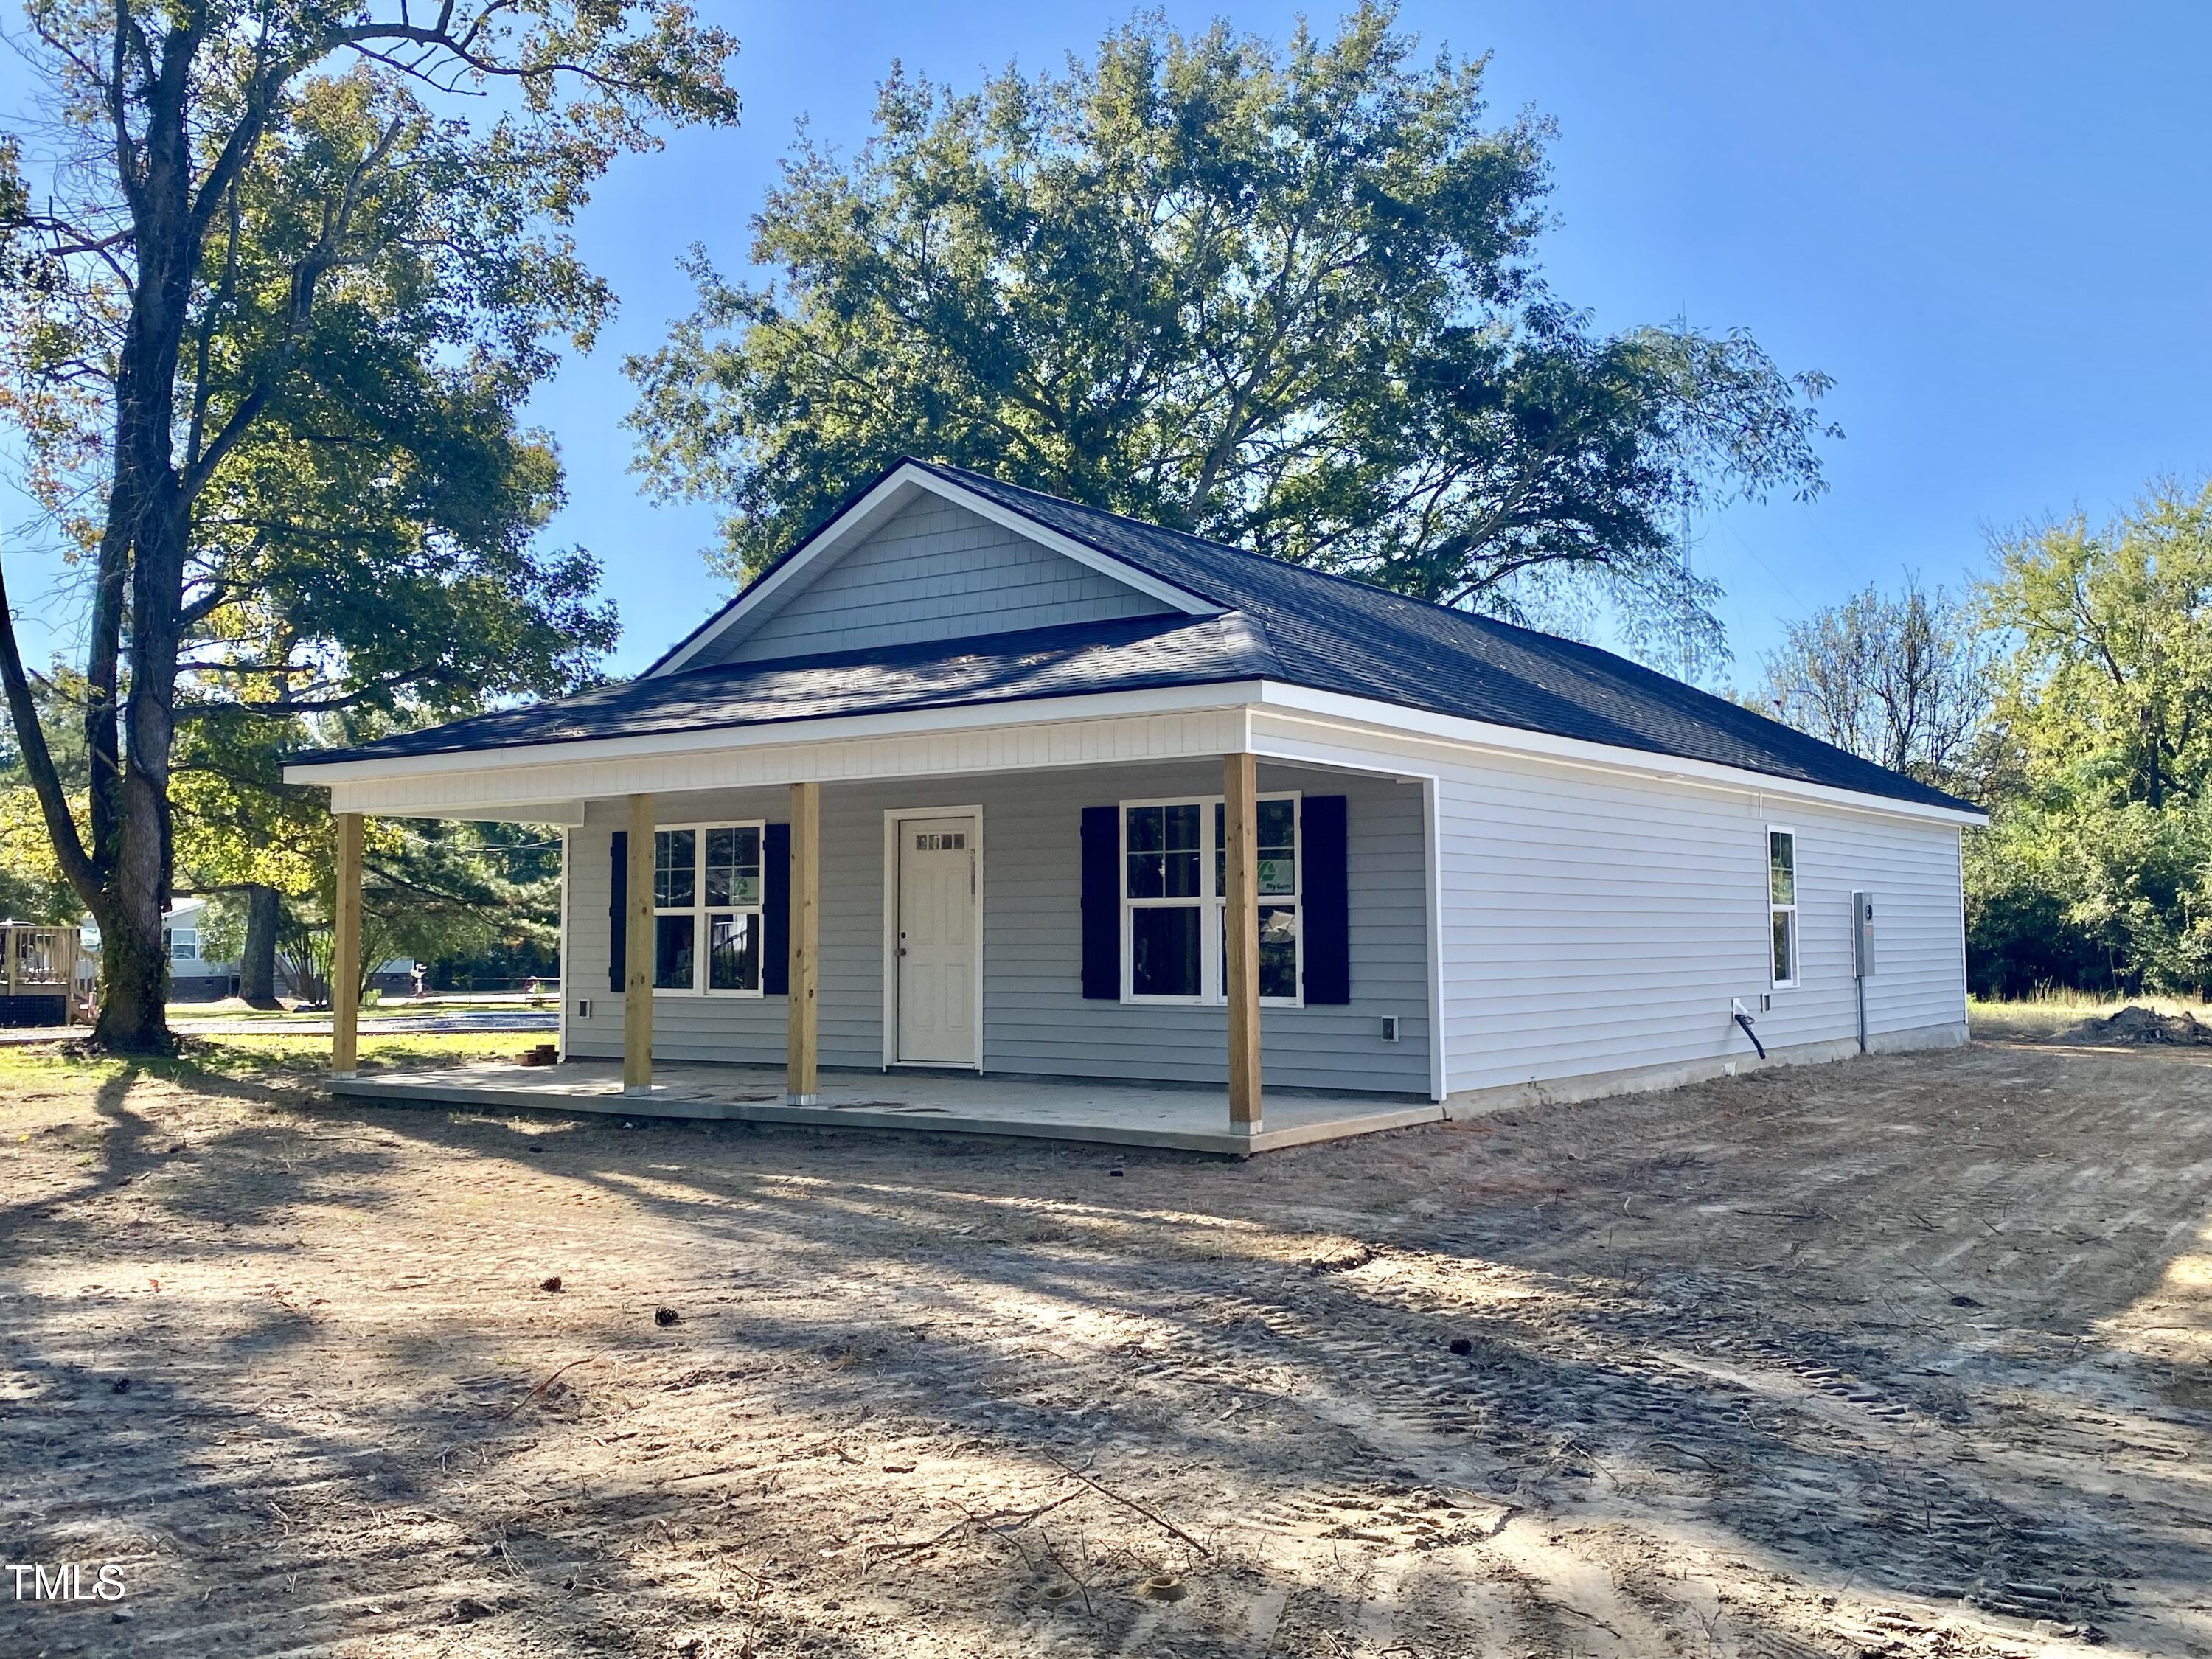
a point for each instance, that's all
(230, 1009)
(255, 1054)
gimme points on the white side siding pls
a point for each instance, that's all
(1594, 922)
(934, 571)
(1036, 1019)
(1912, 871)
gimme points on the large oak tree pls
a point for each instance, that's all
(1287, 299)
(291, 286)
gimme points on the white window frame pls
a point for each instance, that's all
(1773, 909)
(189, 938)
(699, 909)
(1211, 905)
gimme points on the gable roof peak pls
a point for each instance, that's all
(1277, 620)
(884, 495)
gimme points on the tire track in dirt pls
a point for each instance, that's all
(1710, 1400)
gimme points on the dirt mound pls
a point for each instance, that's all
(2136, 1024)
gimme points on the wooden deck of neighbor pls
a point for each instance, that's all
(1109, 1114)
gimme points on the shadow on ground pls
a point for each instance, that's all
(1905, 1351)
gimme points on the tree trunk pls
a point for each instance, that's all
(135, 962)
(134, 983)
(257, 976)
(136, 844)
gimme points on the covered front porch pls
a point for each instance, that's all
(1105, 1114)
(1155, 930)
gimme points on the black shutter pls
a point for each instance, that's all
(1101, 904)
(618, 913)
(1327, 899)
(775, 910)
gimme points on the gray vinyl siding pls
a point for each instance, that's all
(1036, 1019)
(1596, 922)
(934, 571)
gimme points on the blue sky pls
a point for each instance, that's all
(1992, 224)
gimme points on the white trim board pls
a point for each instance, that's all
(1272, 717)
(1366, 717)
(888, 497)
(1433, 825)
(545, 761)
(567, 957)
(1174, 736)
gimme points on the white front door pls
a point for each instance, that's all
(939, 901)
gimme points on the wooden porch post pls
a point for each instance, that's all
(345, 951)
(800, 1085)
(637, 946)
(1240, 788)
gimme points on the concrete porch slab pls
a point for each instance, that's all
(1113, 1115)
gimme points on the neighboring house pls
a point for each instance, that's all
(1487, 857)
(195, 977)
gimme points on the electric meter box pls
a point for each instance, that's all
(1862, 935)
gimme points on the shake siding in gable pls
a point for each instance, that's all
(934, 571)
(1035, 1018)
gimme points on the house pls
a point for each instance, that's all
(196, 976)
(977, 780)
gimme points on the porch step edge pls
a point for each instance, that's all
(1222, 1143)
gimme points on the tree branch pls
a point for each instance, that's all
(84, 875)
(310, 271)
(216, 301)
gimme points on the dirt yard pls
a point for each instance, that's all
(1904, 1357)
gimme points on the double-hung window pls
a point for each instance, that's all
(1782, 902)
(1175, 878)
(706, 886)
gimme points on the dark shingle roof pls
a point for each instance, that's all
(1130, 653)
(1286, 623)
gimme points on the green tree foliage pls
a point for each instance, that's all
(2097, 869)
(32, 885)
(1285, 299)
(2114, 661)
(431, 890)
(287, 294)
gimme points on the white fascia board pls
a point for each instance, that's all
(1369, 714)
(1361, 716)
(967, 717)
(857, 520)
(871, 510)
